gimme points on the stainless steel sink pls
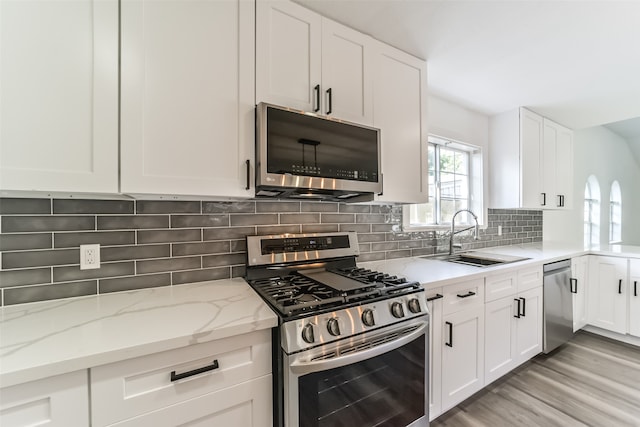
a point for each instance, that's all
(478, 259)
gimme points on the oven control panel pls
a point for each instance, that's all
(312, 331)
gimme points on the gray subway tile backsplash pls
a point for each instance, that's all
(174, 242)
(16, 242)
(13, 224)
(77, 206)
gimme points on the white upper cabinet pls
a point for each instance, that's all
(311, 63)
(59, 91)
(187, 108)
(288, 55)
(531, 161)
(399, 110)
(557, 172)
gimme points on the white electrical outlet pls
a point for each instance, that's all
(499, 230)
(89, 257)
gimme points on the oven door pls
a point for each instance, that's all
(374, 379)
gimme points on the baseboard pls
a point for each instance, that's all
(629, 339)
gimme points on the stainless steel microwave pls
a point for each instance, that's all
(306, 156)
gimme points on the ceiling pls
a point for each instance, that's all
(576, 62)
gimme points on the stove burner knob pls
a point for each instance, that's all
(414, 305)
(333, 327)
(367, 317)
(397, 310)
(307, 333)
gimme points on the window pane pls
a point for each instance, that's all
(447, 185)
(447, 160)
(461, 187)
(431, 157)
(423, 213)
(462, 163)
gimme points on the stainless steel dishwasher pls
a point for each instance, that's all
(558, 305)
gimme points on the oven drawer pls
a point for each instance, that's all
(129, 388)
(463, 295)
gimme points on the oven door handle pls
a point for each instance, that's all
(302, 367)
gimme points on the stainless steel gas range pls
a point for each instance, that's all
(351, 345)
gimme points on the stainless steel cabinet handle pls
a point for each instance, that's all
(330, 93)
(620, 286)
(524, 307)
(517, 316)
(544, 199)
(573, 285)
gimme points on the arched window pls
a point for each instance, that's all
(592, 211)
(615, 213)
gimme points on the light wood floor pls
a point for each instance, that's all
(591, 380)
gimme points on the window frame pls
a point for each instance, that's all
(475, 179)
(615, 205)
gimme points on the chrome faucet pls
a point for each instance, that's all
(453, 232)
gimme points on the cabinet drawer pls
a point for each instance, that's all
(243, 405)
(529, 278)
(500, 286)
(129, 388)
(463, 295)
(59, 401)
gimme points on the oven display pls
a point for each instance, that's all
(301, 244)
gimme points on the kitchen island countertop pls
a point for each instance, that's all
(43, 339)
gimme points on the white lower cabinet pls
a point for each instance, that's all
(59, 401)
(513, 324)
(223, 382)
(579, 289)
(634, 297)
(434, 302)
(608, 293)
(462, 342)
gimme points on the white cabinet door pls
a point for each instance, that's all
(634, 297)
(529, 325)
(579, 280)
(608, 293)
(564, 167)
(434, 301)
(59, 401)
(531, 140)
(346, 73)
(462, 355)
(500, 337)
(288, 55)
(399, 110)
(59, 80)
(187, 106)
(557, 165)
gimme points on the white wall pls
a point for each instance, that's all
(600, 152)
(452, 121)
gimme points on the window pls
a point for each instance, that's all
(454, 172)
(592, 211)
(615, 213)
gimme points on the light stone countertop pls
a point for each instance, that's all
(43, 339)
(433, 273)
